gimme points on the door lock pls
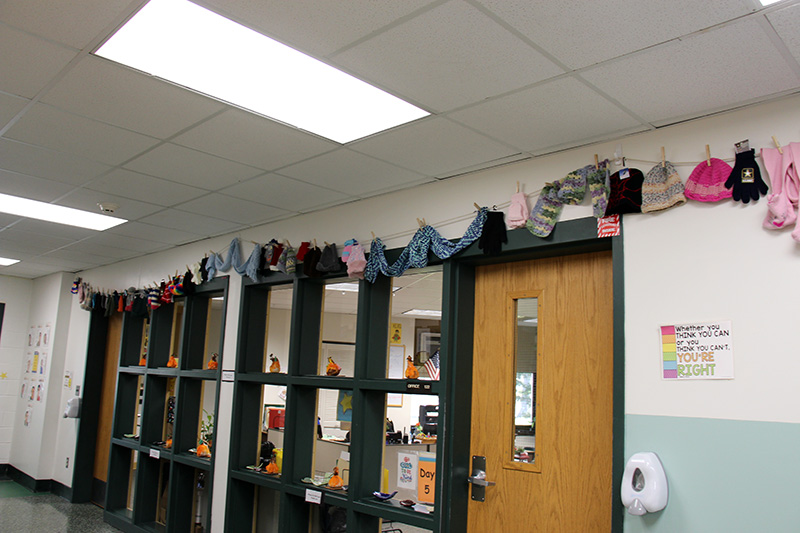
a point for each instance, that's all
(478, 478)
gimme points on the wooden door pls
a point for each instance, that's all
(106, 414)
(564, 483)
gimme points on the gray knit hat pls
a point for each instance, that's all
(662, 188)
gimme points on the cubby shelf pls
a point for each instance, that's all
(152, 487)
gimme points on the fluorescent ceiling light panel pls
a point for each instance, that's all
(23, 207)
(423, 312)
(344, 287)
(768, 2)
(5, 261)
(194, 47)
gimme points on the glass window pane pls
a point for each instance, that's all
(177, 328)
(415, 324)
(409, 454)
(339, 310)
(279, 318)
(132, 481)
(525, 348)
(207, 420)
(268, 451)
(334, 419)
(214, 319)
(169, 412)
(267, 510)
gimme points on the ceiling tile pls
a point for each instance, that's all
(88, 199)
(41, 227)
(73, 23)
(128, 184)
(111, 93)
(30, 187)
(149, 232)
(121, 241)
(254, 140)
(9, 251)
(74, 260)
(36, 161)
(786, 21)
(100, 253)
(581, 33)
(29, 269)
(10, 106)
(204, 225)
(191, 167)
(550, 114)
(315, 27)
(433, 147)
(233, 209)
(352, 173)
(426, 60)
(699, 74)
(46, 126)
(30, 242)
(21, 52)
(6, 219)
(285, 192)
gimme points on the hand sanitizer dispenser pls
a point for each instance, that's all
(73, 409)
(644, 484)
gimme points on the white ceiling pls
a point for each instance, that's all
(504, 80)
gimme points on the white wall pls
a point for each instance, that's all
(695, 262)
(15, 293)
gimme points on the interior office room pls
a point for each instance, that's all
(597, 363)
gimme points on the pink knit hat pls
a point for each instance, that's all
(707, 183)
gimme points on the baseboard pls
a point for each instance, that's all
(37, 485)
(4, 471)
(60, 489)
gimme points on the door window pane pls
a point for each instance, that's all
(332, 445)
(525, 352)
(279, 318)
(339, 310)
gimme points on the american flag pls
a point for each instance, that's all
(432, 366)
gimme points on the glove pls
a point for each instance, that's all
(745, 178)
(518, 211)
(493, 234)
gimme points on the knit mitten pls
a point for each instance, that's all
(745, 178)
(598, 189)
(545, 213)
(493, 234)
(291, 260)
(572, 187)
(348, 245)
(276, 256)
(356, 262)
(518, 211)
(303, 250)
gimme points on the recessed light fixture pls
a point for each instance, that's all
(194, 47)
(423, 312)
(344, 287)
(5, 261)
(24, 207)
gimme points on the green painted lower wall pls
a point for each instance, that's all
(724, 475)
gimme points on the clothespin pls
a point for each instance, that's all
(373, 235)
(326, 243)
(708, 155)
(663, 158)
(315, 243)
(287, 243)
(421, 222)
(596, 162)
(476, 206)
(517, 186)
(777, 145)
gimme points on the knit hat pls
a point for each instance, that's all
(544, 214)
(707, 183)
(139, 307)
(329, 261)
(75, 285)
(356, 263)
(518, 211)
(662, 188)
(203, 271)
(188, 282)
(310, 262)
(598, 181)
(625, 194)
(348, 245)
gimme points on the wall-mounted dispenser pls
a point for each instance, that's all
(73, 409)
(644, 484)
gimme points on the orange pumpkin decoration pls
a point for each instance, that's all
(143, 360)
(168, 444)
(335, 481)
(213, 364)
(411, 371)
(203, 451)
(275, 367)
(173, 362)
(272, 467)
(333, 369)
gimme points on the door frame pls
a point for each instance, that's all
(568, 238)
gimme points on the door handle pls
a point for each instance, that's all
(478, 478)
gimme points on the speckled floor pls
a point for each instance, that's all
(45, 512)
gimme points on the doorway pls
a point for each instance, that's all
(543, 395)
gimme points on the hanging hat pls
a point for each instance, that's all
(662, 188)
(625, 194)
(329, 260)
(707, 183)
